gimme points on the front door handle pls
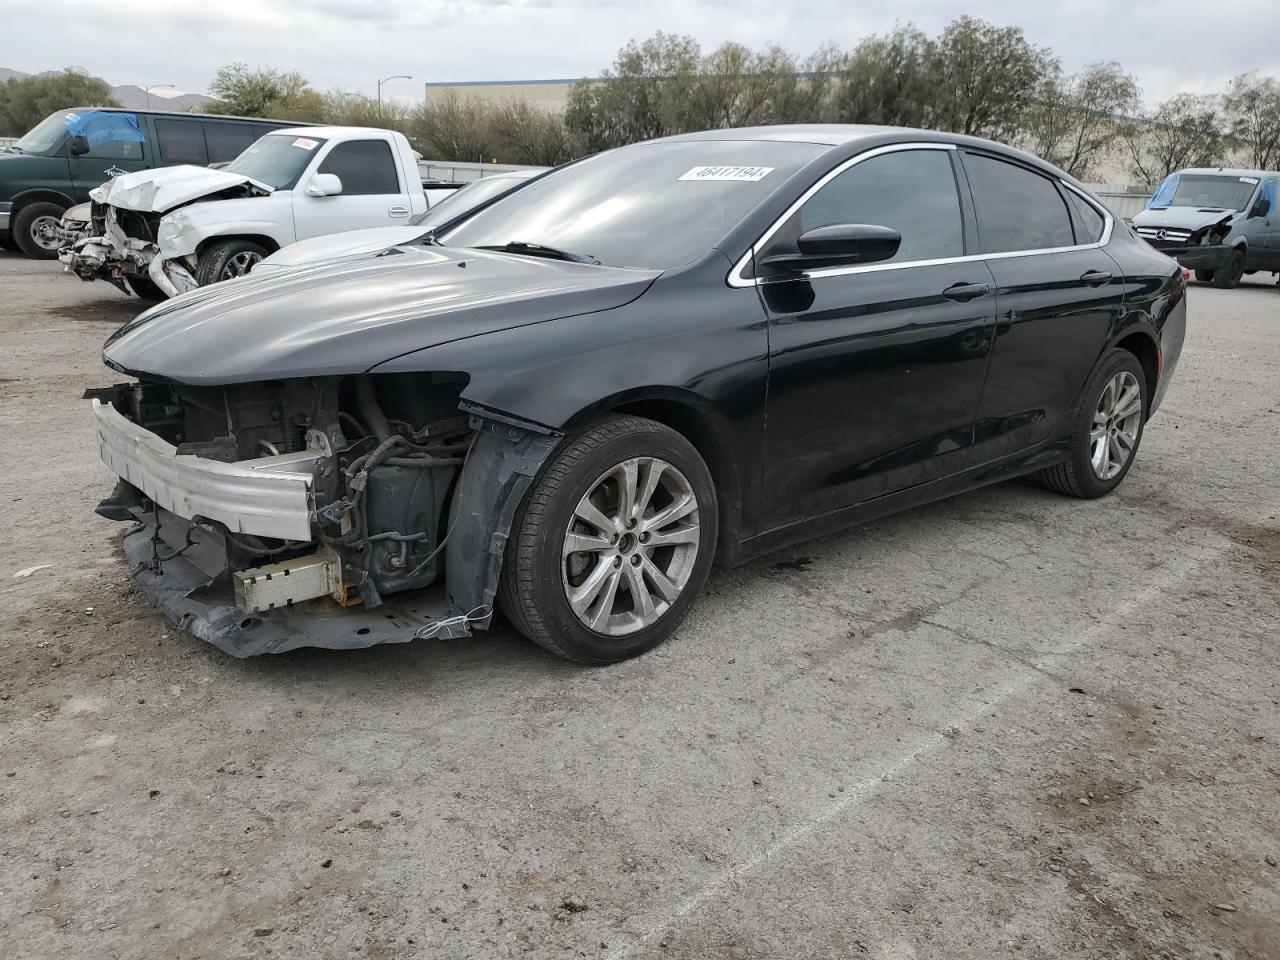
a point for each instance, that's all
(1095, 278)
(398, 211)
(966, 291)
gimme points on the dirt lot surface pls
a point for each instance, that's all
(1011, 724)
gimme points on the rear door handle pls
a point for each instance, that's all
(398, 211)
(966, 291)
(1095, 278)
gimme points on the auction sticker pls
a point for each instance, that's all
(747, 174)
(306, 144)
(1248, 179)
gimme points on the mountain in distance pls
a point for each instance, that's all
(134, 97)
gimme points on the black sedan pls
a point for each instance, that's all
(566, 408)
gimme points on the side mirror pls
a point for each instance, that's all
(1261, 208)
(324, 185)
(78, 145)
(837, 245)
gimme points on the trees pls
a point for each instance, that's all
(26, 101)
(1075, 121)
(280, 95)
(888, 80)
(454, 128)
(1252, 108)
(1184, 131)
(984, 78)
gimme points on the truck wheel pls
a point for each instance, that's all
(1204, 276)
(227, 259)
(35, 230)
(1228, 275)
(613, 542)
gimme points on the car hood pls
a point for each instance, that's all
(348, 316)
(155, 191)
(1180, 218)
(336, 245)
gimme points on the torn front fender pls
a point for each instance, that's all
(503, 462)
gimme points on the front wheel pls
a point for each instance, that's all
(1228, 275)
(226, 260)
(1106, 431)
(613, 542)
(35, 230)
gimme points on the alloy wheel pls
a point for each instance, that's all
(1116, 421)
(239, 264)
(630, 547)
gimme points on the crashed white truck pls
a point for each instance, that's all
(158, 233)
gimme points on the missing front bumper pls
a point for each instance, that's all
(204, 605)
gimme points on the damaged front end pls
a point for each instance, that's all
(314, 512)
(139, 249)
(1203, 248)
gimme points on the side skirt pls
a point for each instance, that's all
(971, 479)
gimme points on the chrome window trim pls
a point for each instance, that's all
(736, 279)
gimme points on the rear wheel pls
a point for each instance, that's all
(35, 230)
(227, 259)
(1228, 275)
(1204, 276)
(613, 542)
(1106, 431)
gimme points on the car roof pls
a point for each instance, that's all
(185, 114)
(330, 131)
(1228, 172)
(827, 134)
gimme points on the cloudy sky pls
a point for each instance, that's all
(1170, 45)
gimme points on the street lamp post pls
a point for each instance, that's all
(398, 76)
(153, 86)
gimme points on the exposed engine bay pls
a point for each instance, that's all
(334, 492)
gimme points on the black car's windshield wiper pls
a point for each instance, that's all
(541, 250)
(14, 148)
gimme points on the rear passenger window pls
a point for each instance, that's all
(181, 141)
(912, 191)
(1017, 209)
(363, 166)
(1089, 222)
(228, 140)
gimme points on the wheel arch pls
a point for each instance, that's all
(1143, 346)
(270, 244)
(699, 423)
(41, 195)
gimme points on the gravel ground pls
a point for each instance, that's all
(1008, 722)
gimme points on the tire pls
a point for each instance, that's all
(1079, 477)
(145, 289)
(225, 259)
(1228, 275)
(538, 578)
(1204, 276)
(34, 230)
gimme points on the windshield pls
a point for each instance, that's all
(657, 205)
(46, 136)
(1219, 193)
(466, 198)
(276, 159)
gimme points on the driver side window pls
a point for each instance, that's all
(911, 191)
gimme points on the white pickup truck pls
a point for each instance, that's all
(157, 233)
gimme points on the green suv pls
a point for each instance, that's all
(72, 151)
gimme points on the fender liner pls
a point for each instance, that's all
(504, 459)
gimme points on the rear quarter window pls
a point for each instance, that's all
(1089, 223)
(1017, 209)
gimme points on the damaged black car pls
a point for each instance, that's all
(564, 410)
